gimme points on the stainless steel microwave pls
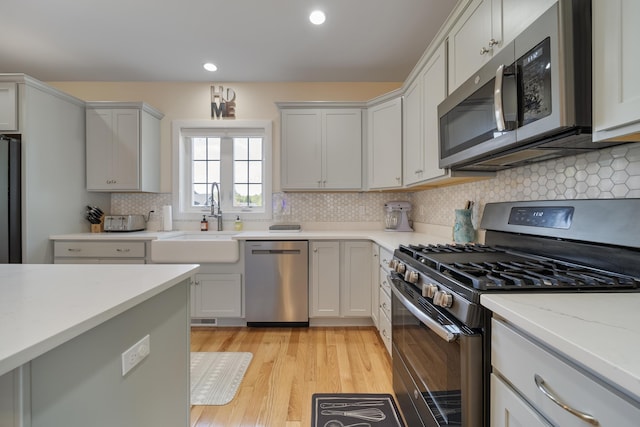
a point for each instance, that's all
(530, 102)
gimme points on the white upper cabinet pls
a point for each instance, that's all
(123, 147)
(421, 154)
(472, 42)
(384, 123)
(616, 68)
(8, 106)
(483, 29)
(321, 149)
(412, 146)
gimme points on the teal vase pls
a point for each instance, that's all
(463, 231)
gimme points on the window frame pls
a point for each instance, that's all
(182, 130)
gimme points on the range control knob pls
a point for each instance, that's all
(443, 299)
(411, 276)
(429, 290)
(392, 264)
(401, 268)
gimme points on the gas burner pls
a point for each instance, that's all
(534, 274)
(452, 248)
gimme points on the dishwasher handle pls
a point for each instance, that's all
(275, 251)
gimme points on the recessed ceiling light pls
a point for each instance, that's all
(317, 17)
(210, 67)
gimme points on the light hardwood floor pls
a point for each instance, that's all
(288, 366)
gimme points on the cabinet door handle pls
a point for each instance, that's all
(418, 171)
(493, 42)
(555, 399)
(484, 51)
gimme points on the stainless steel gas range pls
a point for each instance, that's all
(441, 333)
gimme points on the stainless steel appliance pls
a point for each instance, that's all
(530, 102)
(441, 335)
(10, 200)
(277, 283)
(124, 223)
(396, 217)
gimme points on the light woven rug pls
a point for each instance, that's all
(216, 376)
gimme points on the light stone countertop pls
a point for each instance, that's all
(43, 306)
(600, 331)
(389, 240)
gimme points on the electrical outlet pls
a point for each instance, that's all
(135, 354)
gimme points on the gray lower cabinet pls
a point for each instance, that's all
(384, 291)
(340, 279)
(216, 295)
(99, 252)
(534, 386)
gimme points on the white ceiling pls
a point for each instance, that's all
(249, 40)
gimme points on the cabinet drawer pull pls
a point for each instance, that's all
(555, 399)
(74, 250)
(123, 250)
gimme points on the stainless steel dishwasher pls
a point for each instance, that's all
(277, 283)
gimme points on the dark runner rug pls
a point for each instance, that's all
(357, 410)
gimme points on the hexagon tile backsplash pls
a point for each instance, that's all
(603, 174)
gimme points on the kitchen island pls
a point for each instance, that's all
(63, 332)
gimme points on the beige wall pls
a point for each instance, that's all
(193, 101)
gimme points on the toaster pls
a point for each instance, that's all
(124, 223)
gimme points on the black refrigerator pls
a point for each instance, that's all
(10, 200)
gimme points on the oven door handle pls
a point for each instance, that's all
(449, 333)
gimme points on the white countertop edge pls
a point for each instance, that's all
(600, 332)
(28, 353)
(390, 240)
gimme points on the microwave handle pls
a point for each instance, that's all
(497, 100)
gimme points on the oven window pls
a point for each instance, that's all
(433, 362)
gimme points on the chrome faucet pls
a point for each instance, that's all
(216, 211)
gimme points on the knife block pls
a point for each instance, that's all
(98, 228)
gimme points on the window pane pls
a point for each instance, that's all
(255, 149)
(255, 172)
(240, 149)
(213, 174)
(214, 148)
(255, 194)
(199, 147)
(200, 194)
(199, 171)
(240, 172)
(240, 196)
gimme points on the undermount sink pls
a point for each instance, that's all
(201, 247)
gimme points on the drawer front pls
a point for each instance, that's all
(384, 282)
(508, 409)
(520, 361)
(385, 302)
(98, 261)
(385, 331)
(78, 249)
(385, 257)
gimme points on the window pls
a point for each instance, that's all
(236, 155)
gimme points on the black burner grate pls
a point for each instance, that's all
(487, 268)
